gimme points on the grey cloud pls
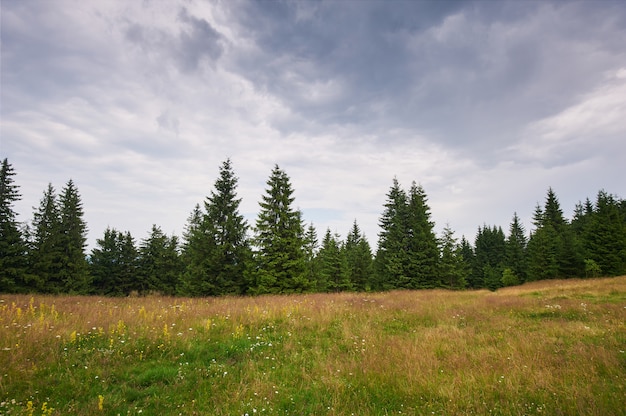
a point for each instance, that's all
(195, 42)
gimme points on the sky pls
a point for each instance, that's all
(485, 104)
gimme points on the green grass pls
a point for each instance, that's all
(545, 348)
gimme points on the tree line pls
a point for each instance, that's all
(221, 254)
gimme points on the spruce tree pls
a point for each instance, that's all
(334, 276)
(114, 264)
(466, 251)
(217, 250)
(422, 247)
(311, 258)
(47, 253)
(490, 256)
(358, 255)
(160, 265)
(516, 242)
(230, 251)
(280, 258)
(391, 256)
(74, 272)
(452, 271)
(605, 239)
(13, 266)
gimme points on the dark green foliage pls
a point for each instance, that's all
(422, 246)
(217, 251)
(312, 273)
(160, 264)
(280, 265)
(407, 248)
(466, 251)
(359, 262)
(515, 248)
(47, 252)
(13, 261)
(334, 275)
(74, 272)
(554, 249)
(452, 270)
(490, 256)
(605, 237)
(114, 264)
(392, 241)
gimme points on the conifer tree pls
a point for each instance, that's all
(391, 256)
(422, 247)
(605, 239)
(217, 250)
(74, 272)
(280, 257)
(160, 263)
(490, 256)
(452, 271)
(310, 253)
(46, 254)
(358, 255)
(334, 275)
(466, 251)
(13, 266)
(516, 242)
(114, 264)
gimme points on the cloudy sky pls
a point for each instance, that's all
(485, 104)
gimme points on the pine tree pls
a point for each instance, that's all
(553, 232)
(490, 256)
(227, 229)
(391, 256)
(422, 247)
(13, 265)
(466, 251)
(280, 256)
(358, 255)
(217, 251)
(605, 239)
(74, 272)
(160, 265)
(452, 271)
(114, 264)
(516, 259)
(46, 254)
(194, 280)
(310, 252)
(334, 275)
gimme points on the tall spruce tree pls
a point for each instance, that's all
(490, 256)
(160, 265)
(391, 256)
(422, 247)
(452, 270)
(358, 255)
(217, 250)
(605, 238)
(74, 272)
(466, 251)
(13, 266)
(280, 258)
(46, 252)
(114, 264)
(311, 250)
(334, 275)
(516, 259)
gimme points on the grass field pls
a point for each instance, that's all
(554, 348)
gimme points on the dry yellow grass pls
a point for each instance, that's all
(542, 348)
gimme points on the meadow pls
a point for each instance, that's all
(551, 347)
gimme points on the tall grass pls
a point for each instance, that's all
(553, 347)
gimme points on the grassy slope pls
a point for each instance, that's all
(552, 347)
